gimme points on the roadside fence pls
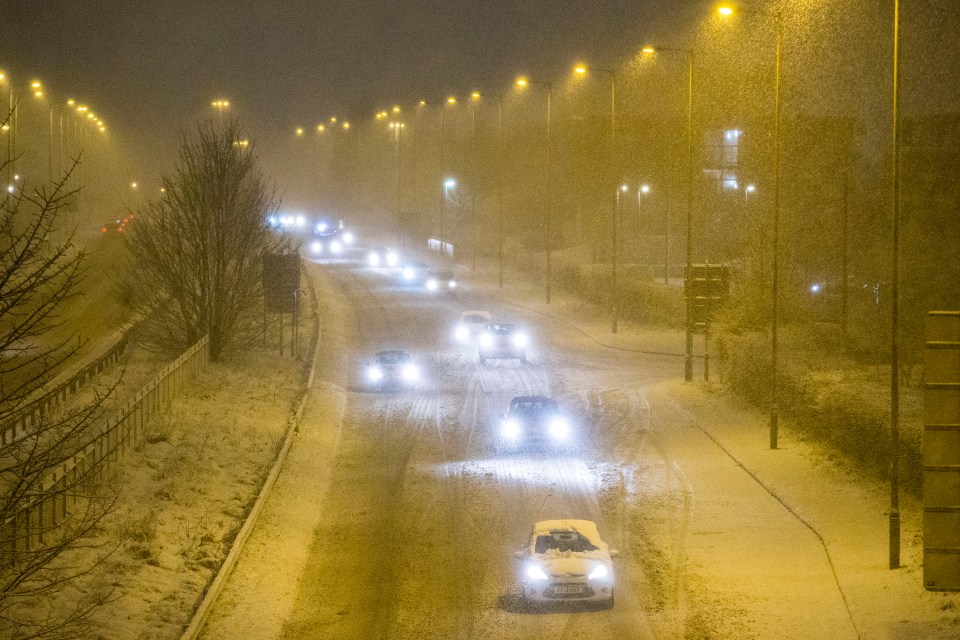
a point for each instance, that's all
(59, 487)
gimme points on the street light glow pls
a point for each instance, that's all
(475, 95)
(649, 49)
(346, 125)
(724, 10)
(581, 69)
(624, 188)
(299, 131)
(644, 189)
(452, 100)
(521, 81)
(449, 183)
(321, 128)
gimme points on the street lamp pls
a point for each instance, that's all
(615, 258)
(582, 70)
(448, 183)
(688, 54)
(220, 106)
(894, 524)
(642, 192)
(774, 316)
(522, 83)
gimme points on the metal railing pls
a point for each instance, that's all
(60, 485)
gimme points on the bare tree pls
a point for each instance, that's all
(197, 248)
(43, 517)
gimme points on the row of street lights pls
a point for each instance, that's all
(83, 117)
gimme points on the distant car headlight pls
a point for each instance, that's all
(408, 273)
(410, 372)
(520, 340)
(599, 571)
(432, 284)
(374, 374)
(511, 429)
(348, 237)
(536, 572)
(486, 340)
(452, 284)
(316, 246)
(392, 258)
(559, 428)
(335, 246)
(461, 333)
(374, 259)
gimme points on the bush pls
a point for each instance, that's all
(842, 407)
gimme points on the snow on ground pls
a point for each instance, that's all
(185, 488)
(188, 484)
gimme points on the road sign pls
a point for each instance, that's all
(281, 280)
(707, 287)
(941, 452)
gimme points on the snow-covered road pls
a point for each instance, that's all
(408, 516)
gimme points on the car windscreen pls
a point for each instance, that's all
(563, 541)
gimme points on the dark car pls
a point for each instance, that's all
(392, 368)
(503, 341)
(534, 421)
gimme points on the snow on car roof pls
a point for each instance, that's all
(586, 528)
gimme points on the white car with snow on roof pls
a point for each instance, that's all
(567, 561)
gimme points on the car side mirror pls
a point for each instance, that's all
(519, 554)
(614, 553)
(502, 416)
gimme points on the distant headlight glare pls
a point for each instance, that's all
(410, 372)
(559, 428)
(511, 429)
(374, 374)
(520, 340)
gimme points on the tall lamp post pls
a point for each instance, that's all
(582, 70)
(523, 82)
(8, 126)
(499, 98)
(775, 267)
(688, 54)
(642, 192)
(220, 106)
(448, 183)
(895, 309)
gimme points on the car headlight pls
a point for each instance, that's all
(374, 259)
(461, 333)
(599, 571)
(408, 273)
(392, 258)
(374, 374)
(452, 284)
(410, 372)
(432, 284)
(335, 246)
(520, 340)
(347, 238)
(511, 429)
(486, 340)
(316, 246)
(536, 572)
(559, 428)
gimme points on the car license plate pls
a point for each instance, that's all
(568, 589)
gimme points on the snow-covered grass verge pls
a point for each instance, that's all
(185, 487)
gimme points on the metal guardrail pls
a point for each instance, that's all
(25, 421)
(60, 484)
